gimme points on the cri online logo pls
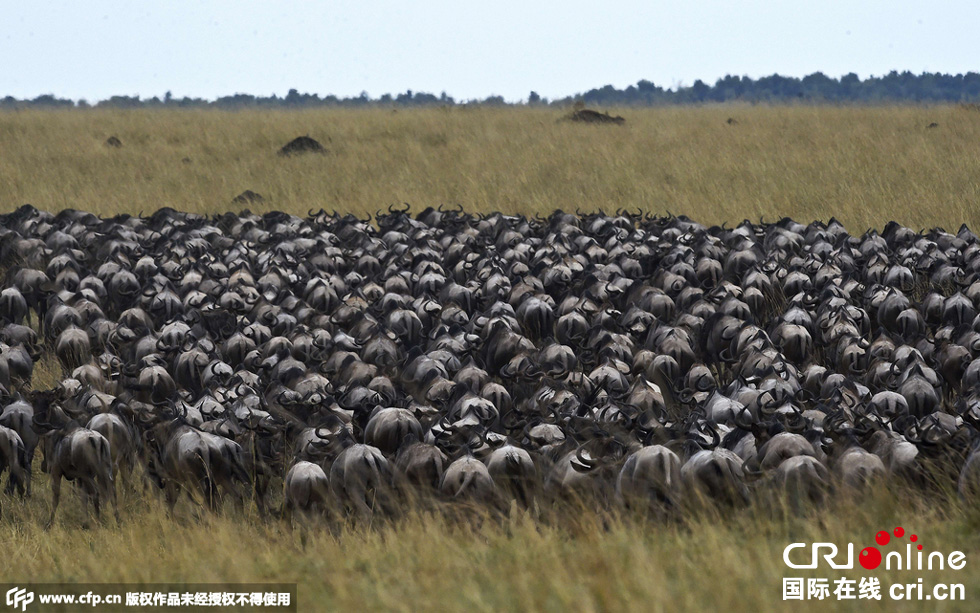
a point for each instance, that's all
(871, 557)
(19, 597)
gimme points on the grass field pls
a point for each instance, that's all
(578, 562)
(862, 165)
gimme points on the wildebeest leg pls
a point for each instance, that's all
(146, 482)
(85, 494)
(226, 486)
(29, 469)
(55, 496)
(26, 486)
(108, 489)
(115, 504)
(261, 489)
(14, 481)
(241, 495)
(170, 494)
(364, 511)
(125, 473)
(18, 478)
(209, 492)
(91, 493)
(116, 472)
(113, 480)
(287, 513)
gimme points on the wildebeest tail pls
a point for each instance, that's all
(233, 457)
(100, 447)
(465, 485)
(372, 464)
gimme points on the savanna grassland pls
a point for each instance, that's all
(568, 562)
(864, 166)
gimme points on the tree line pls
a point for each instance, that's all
(817, 88)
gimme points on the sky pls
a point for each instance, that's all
(208, 48)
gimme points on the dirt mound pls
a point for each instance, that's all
(933, 125)
(248, 197)
(112, 141)
(590, 116)
(301, 144)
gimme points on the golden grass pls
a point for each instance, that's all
(580, 561)
(863, 165)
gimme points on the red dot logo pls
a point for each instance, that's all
(882, 538)
(913, 538)
(900, 532)
(870, 558)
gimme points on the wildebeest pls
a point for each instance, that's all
(361, 480)
(182, 458)
(620, 357)
(13, 458)
(79, 455)
(305, 489)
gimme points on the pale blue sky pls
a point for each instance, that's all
(93, 49)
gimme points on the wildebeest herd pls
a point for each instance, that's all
(363, 365)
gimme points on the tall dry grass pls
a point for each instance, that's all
(580, 561)
(862, 165)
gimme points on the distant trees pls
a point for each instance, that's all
(44, 101)
(817, 88)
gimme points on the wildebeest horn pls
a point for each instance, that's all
(44, 425)
(583, 464)
(509, 423)
(317, 432)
